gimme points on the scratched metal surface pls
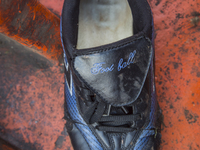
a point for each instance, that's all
(177, 47)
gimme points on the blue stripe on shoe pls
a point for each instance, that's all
(75, 115)
(81, 125)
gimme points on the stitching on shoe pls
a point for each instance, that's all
(111, 48)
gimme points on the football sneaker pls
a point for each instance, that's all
(110, 97)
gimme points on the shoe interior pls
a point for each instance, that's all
(103, 22)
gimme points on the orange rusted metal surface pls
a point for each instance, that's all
(177, 48)
(32, 24)
(54, 5)
(6, 146)
(31, 99)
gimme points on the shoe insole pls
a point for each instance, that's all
(103, 22)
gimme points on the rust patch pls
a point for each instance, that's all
(177, 71)
(53, 5)
(31, 98)
(191, 117)
(30, 23)
(59, 142)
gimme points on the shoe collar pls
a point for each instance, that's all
(142, 25)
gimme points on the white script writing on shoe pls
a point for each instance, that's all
(99, 67)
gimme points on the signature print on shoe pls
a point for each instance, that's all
(99, 67)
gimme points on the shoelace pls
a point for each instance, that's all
(110, 123)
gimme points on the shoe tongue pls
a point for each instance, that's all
(116, 75)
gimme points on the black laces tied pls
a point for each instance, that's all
(99, 114)
(111, 123)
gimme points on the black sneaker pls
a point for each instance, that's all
(110, 98)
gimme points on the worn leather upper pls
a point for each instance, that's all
(117, 74)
